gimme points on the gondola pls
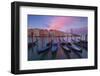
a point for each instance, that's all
(73, 47)
(81, 43)
(32, 44)
(74, 50)
(66, 50)
(51, 46)
(54, 49)
(47, 47)
(84, 44)
(79, 49)
(64, 47)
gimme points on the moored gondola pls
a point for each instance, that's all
(73, 46)
(54, 49)
(64, 47)
(77, 52)
(78, 49)
(66, 50)
(32, 44)
(47, 47)
(82, 44)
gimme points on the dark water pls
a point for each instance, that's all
(55, 51)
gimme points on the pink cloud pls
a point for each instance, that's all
(59, 22)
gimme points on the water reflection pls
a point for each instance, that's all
(48, 48)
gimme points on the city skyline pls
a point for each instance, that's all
(61, 23)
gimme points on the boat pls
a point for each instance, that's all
(76, 51)
(64, 47)
(47, 47)
(66, 50)
(32, 44)
(51, 46)
(76, 48)
(54, 49)
(73, 47)
(81, 43)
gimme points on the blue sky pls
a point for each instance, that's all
(63, 23)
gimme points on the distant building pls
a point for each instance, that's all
(56, 33)
(44, 33)
(48, 33)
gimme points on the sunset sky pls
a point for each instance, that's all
(62, 23)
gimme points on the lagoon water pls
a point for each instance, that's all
(59, 54)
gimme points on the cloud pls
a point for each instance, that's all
(59, 22)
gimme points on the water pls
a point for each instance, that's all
(48, 55)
